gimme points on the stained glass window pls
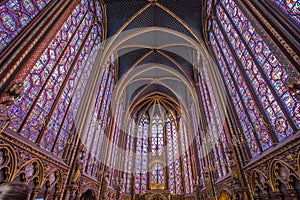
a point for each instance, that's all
(198, 145)
(157, 139)
(173, 157)
(215, 126)
(255, 79)
(15, 15)
(142, 156)
(290, 7)
(54, 86)
(129, 163)
(114, 157)
(186, 158)
(157, 175)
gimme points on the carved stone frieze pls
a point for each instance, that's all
(90, 184)
(19, 164)
(25, 149)
(274, 171)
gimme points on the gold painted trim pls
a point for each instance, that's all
(31, 45)
(280, 39)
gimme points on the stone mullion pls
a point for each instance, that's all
(218, 86)
(188, 156)
(103, 96)
(203, 119)
(125, 148)
(63, 86)
(109, 139)
(193, 164)
(104, 129)
(206, 106)
(197, 164)
(232, 114)
(141, 156)
(172, 147)
(119, 166)
(279, 27)
(143, 132)
(110, 148)
(71, 100)
(276, 97)
(166, 168)
(170, 143)
(50, 75)
(134, 155)
(11, 58)
(130, 160)
(180, 150)
(107, 102)
(26, 31)
(240, 96)
(280, 12)
(231, 117)
(58, 133)
(248, 82)
(117, 138)
(208, 99)
(98, 125)
(149, 173)
(98, 94)
(214, 114)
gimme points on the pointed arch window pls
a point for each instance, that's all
(157, 139)
(173, 157)
(53, 88)
(142, 156)
(255, 78)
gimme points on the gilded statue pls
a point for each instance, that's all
(78, 169)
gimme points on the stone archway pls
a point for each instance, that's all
(158, 197)
(88, 195)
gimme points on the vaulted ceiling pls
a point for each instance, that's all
(155, 48)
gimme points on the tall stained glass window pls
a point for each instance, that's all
(173, 157)
(162, 155)
(98, 122)
(186, 157)
(157, 139)
(15, 15)
(142, 156)
(290, 7)
(53, 88)
(268, 113)
(215, 128)
(129, 162)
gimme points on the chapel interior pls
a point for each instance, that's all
(151, 99)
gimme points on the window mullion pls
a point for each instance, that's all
(276, 97)
(248, 82)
